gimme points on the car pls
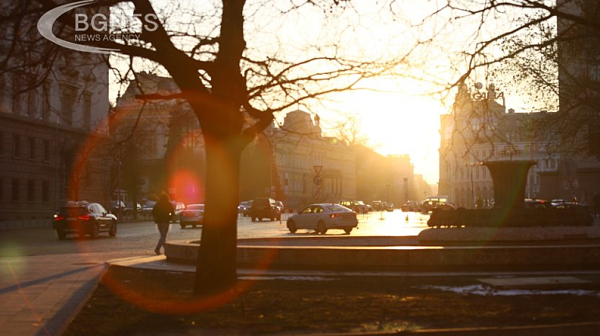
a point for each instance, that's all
(147, 208)
(84, 218)
(358, 206)
(244, 207)
(264, 208)
(381, 206)
(193, 214)
(557, 202)
(322, 217)
(536, 203)
(280, 206)
(116, 207)
(178, 207)
(128, 210)
(410, 206)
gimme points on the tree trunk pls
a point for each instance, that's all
(216, 267)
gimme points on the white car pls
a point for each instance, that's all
(193, 214)
(322, 217)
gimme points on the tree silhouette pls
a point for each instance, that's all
(233, 87)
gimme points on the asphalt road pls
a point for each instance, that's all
(134, 239)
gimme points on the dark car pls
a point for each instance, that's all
(147, 208)
(128, 210)
(83, 218)
(116, 207)
(264, 208)
(244, 208)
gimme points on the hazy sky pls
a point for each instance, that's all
(396, 114)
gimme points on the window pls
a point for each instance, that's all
(2, 90)
(16, 94)
(67, 103)
(32, 148)
(32, 98)
(87, 111)
(31, 190)
(45, 191)
(16, 145)
(46, 100)
(15, 190)
(46, 151)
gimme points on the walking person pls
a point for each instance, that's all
(163, 213)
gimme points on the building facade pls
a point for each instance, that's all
(310, 167)
(53, 136)
(480, 129)
(578, 42)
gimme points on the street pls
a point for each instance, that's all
(138, 239)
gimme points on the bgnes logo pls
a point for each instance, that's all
(83, 22)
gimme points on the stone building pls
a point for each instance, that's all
(579, 98)
(303, 165)
(480, 129)
(53, 133)
(159, 142)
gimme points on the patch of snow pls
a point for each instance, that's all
(489, 291)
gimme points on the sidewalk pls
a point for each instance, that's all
(40, 295)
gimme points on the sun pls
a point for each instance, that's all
(398, 123)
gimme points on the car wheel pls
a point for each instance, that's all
(113, 229)
(182, 225)
(272, 219)
(291, 226)
(81, 234)
(62, 235)
(95, 231)
(194, 226)
(321, 227)
(348, 230)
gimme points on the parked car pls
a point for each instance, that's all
(128, 210)
(381, 205)
(557, 202)
(117, 207)
(358, 206)
(264, 208)
(244, 208)
(280, 206)
(193, 214)
(410, 206)
(322, 217)
(147, 208)
(536, 203)
(83, 218)
(178, 206)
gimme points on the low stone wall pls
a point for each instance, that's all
(410, 258)
(25, 224)
(510, 235)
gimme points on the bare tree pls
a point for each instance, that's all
(234, 88)
(543, 51)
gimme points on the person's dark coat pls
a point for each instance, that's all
(163, 211)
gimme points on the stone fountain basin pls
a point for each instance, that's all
(358, 253)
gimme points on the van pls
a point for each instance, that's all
(264, 208)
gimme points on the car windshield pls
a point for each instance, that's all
(337, 208)
(195, 207)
